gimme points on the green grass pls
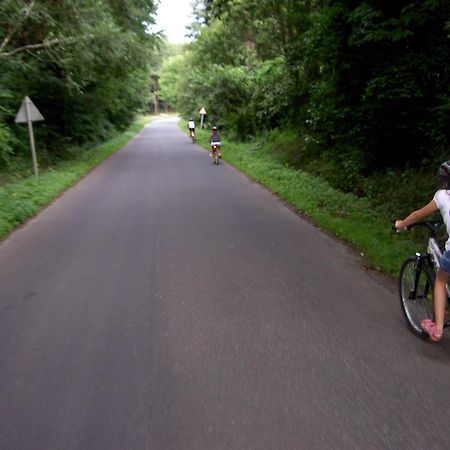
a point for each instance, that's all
(21, 197)
(350, 218)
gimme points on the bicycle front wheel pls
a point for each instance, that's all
(416, 294)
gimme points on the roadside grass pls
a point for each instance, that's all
(22, 197)
(346, 216)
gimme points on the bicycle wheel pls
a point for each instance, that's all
(416, 294)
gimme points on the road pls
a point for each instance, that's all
(165, 303)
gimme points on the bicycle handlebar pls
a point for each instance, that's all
(432, 225)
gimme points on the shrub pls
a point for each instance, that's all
(6, 141)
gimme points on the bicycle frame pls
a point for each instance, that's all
(215, 148)
(422, 260)
(431, 258)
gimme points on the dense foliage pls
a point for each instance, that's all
(84, 63)
(355, 91)
(363, 87)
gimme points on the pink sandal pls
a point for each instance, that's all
(430, 327)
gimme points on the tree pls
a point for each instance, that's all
(85, 63)
(172, 72)
(353, 79)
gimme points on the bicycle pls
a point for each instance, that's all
(192, 134)
(215, 146)
(416, 282)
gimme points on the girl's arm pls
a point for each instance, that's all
(417, 215)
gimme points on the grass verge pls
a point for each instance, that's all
(22, 198)
(346, 216)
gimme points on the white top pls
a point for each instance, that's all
(191, 124)
(442, 199)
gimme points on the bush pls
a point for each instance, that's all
(6, 141)
(392, 193)
(286, 145)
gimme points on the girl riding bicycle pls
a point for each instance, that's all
(214, 139)
(441, 201)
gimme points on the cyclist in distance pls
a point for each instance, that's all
(191, 126)
(441, 201)
(214, 139)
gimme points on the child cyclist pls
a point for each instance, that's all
(214, 139)
(191, 126)
(441, 201)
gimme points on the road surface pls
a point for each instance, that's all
(165, 303)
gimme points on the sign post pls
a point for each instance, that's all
(29, 113)
(202, 114)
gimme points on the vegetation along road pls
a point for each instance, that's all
(167, 303)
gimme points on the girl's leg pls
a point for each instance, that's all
(440, 298)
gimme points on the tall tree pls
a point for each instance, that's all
(84, 62)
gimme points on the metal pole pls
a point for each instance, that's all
(30, 132)
(201, 121)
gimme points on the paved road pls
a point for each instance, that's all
(165, 303)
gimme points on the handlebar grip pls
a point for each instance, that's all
(394, 228)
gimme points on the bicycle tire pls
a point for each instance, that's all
(417, 304)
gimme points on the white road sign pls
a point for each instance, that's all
(28, 113)
(202, 115)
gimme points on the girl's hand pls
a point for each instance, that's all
(399, 225)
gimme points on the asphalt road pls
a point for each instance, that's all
(165, 303)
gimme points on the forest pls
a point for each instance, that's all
(85, 64)
(355, 92)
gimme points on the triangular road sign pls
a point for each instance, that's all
(28, 112)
